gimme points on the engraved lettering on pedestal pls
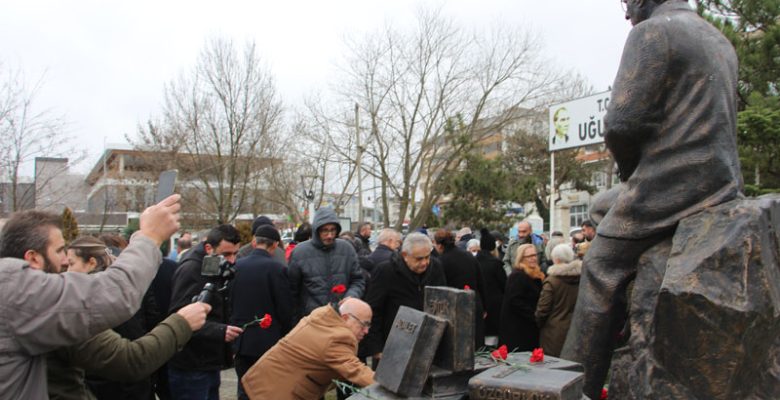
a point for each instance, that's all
(406, 326)
(489, 393)
(438, 307)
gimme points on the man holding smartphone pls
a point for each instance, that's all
(194, 371)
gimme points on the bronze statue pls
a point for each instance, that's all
(671, 128)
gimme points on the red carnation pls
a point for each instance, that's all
(466, 287)
(265, 322)
(537, 355)
(603, 394)
(500, 353)
(338, 289)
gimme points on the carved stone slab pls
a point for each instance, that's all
(377, 392)
(442, 383)
(526, 383)
(409, 351)
(456, 351)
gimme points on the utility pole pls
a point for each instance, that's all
(357, 163)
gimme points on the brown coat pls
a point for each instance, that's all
(556, 305)
(303, 363)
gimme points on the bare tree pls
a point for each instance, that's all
(218, 127)
(28, 132)
(414, 88)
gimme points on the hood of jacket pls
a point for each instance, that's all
(324, 216)
(196, 253)
(570, 271)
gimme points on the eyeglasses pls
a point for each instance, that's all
(364, 324)
(329, 231)
(530, 255)
(624, 5)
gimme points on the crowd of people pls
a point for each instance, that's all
(104, 318)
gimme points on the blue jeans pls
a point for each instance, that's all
(193, 385)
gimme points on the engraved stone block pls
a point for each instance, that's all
(522, 382)
(409, 351)
(456, 351)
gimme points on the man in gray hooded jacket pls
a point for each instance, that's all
(321, 263)
(40, 312)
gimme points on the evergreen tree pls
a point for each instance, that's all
(245, 230)
(752, 27)
(70, 227)
(479, 192)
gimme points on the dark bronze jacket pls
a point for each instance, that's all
(671, 123)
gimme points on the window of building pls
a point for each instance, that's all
(577, 214)
(599, 180)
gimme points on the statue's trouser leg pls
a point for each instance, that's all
(609, 266)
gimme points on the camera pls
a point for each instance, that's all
(212, 265)
(215, 266)
(205, 294)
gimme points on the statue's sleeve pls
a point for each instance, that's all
(637, 102)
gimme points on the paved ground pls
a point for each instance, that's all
(227, 390)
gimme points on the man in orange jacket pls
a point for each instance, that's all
(322, 347)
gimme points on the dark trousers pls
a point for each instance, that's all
(608, 268)
(193, 385)
(242, 364)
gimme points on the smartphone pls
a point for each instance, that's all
(210, 266)
(165, 184)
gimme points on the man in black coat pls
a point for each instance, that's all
(363, 235)
(260, 287)
(389, 240)
(671, 128)
(194, 371)
(461, 269)
(400, 281)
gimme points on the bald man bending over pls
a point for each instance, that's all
(322, 347)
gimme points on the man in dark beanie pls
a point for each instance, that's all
(246, 249)
(494, 278)
(259, 288)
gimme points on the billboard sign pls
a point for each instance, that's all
(578, 122)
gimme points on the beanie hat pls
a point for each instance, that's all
(268, 232)
(261, 220)
(486, 241)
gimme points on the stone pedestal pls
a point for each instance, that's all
(553, 378)
(705, 309)
(409, 351)
(456, 350)
(377, 392)
(510, 382)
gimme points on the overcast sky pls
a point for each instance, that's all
(104, 63)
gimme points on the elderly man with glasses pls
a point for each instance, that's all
(322, 347)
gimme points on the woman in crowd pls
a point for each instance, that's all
(107, 354)
(557, 300)
(518, 329)
(88, 254)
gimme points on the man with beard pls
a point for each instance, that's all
(194, 371)
(321, 263)
(44, 311)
